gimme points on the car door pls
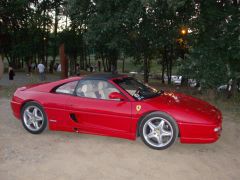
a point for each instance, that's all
(91, 112)
(55, 105)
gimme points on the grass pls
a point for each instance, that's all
(8, 91)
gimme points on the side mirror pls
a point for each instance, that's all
(117, 96)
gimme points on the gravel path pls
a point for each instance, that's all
(62, 155)
(22, 78)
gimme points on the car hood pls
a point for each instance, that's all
(186, 108)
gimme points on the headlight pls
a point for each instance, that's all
(217, 129)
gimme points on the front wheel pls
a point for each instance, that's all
(158, 130)
(34, 119)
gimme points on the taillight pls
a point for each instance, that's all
(21, 88)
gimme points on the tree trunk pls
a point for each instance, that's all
(55, 38)
(114, 65)
(167, 60)
(123, 64)
(1, 66)
(64, 62)
(46, 53)
(108, 64)
(43, 37)
(163, 71)
(145, 69)
(170, 64)
(88, 54)
(85, 59)
(74, 62)
(81, 59)
(21, 65)
(85, 55)
(103, 62)
(169, 57)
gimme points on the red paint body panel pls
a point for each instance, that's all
(196, 119)
(16, 107)
(199, 133)
(100, 116)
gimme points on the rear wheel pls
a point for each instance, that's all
(158, 130)
(34, 119)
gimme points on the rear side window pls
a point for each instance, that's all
(97, 89)
(67, 88)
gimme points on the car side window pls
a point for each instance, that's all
(67, 88)
(98, 89)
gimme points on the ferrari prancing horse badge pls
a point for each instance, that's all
(138, 108)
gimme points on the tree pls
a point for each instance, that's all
(106, 30)
(58, 6)
(215, 52)
(25, 26)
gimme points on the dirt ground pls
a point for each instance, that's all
(62, 155)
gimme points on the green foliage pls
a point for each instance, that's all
(215, 56)
(71, 42)
(210, 71)
(106, 28)
(25, 27)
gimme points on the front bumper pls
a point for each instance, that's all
(16, 109)
(199, 133)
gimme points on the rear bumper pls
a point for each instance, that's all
(16, 109)
(199, 133)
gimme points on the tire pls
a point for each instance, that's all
(33, 118)
(158, 130)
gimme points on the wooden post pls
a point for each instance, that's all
(64, 62)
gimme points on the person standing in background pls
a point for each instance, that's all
(11, 73)
(41, 70)
(59, 68)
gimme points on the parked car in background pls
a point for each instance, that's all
(222, 88)
(192, 82)
(175, 79)
(229, 86)
(133, 73)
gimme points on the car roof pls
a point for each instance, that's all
(102, 76)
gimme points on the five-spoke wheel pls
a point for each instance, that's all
(158, 130)
(33, 118)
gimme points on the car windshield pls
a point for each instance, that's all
(137, 89)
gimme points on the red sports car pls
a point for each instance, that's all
(119, 106)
